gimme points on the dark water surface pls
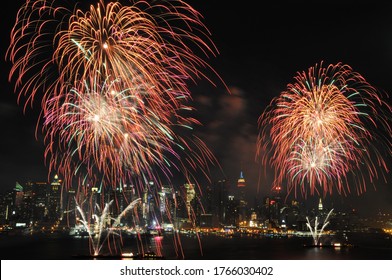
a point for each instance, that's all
(366, 247)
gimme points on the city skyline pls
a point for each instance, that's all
(42, 212)
(257, 59)
(46, 207)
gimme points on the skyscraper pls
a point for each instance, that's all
(54, 203)
(241, 184)
(219, 202)
(241, 181)
(320, 205)
(18, 195)
(39, 200)
(190, 195)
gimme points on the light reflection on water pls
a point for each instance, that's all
(171, 246)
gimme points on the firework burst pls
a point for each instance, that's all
(107, 129)
(154, 46)
(322, 129)
(112, 80)
(128, 41)
(113, 84)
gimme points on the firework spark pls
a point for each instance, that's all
(322, 129)
(107, 129)
(113, 82)
(154, 46)
(104, 225)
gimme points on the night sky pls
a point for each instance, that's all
(262, 46)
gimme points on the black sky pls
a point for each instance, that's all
(262, 45)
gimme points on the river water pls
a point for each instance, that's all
(210, 247)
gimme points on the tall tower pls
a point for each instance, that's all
(54, 203)
(18, 191)
(320, 205)
(241, 181)
(241, 184)
(276, 204)
(219, 202)
(190, 195)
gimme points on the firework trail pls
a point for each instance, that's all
(109, 131)
(112, 80)
(152, 46)
(324, 129)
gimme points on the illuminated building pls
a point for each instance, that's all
(145, 206)
(54, 203)
(18, 195)
(273, 208)
(190, 195)
(70, 197)
(242, 208)
(241, 181)
(166, 203)
(150, 208)
(231, 218)
(207, 199)
(7, 206)
(162, 201)
(320, 205)
(253, 222)
(129, 193)
(219, 202)
(39, 200)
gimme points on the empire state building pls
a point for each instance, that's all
(241, 181)
(241, 184)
